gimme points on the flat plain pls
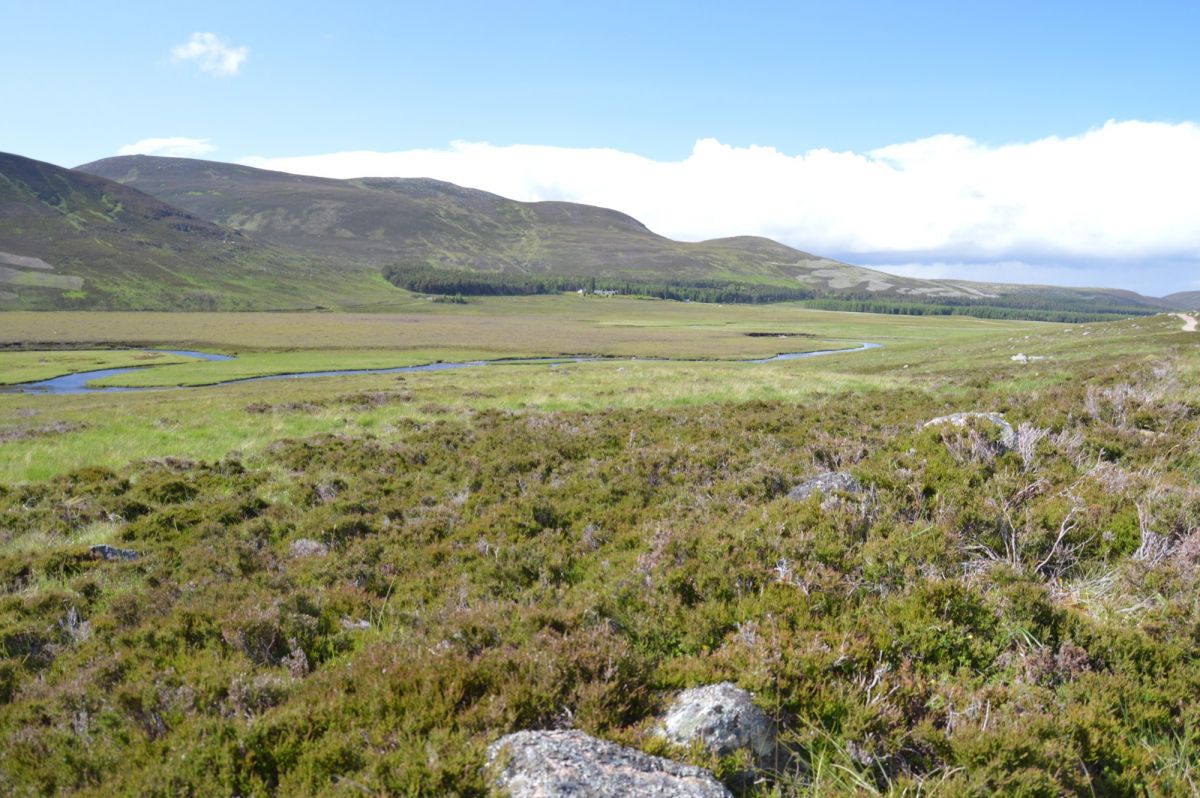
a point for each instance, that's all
(359, 582)
(706, 340)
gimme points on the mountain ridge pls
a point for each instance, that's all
(147, 232)
(1184, 300)
(70, 239)
(385, 219)
(428, 222)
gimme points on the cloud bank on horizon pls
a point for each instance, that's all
(1116, 205)
(169, 146)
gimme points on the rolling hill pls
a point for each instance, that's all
(415, 220)
(143, 232)
(74, 240)
(428, 223)
(1184, 300)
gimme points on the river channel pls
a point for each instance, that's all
(79, 382)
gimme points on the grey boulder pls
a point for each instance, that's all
(826, 483)
(549, 764)
(104, 551)
(722, 717)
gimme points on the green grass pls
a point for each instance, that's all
(208, 423)
(259, 364)
(494, 328)
(555, 324)
(951, 357)
(16, 367)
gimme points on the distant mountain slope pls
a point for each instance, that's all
(1184, 300)
(72, 239)
(420, 222)
(416, 220)
(1014, 292)
(428, 222)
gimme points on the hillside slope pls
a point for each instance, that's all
(417, 220)
(423, 222)
(69, 239)
(1184, 300)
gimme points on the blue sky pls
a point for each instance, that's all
(649, 80)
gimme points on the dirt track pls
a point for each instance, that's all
(1189, 322)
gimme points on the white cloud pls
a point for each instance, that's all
(211, 54)
(1126, 192)
(1147, 278)
(173, 146)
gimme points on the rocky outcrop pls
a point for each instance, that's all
(548, 764)
(834, 481)
(104, 551)
(723, 718)
(1008, 436)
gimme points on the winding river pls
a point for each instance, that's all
(78, 382)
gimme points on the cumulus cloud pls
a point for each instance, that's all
(211, 54)
(173, 146)
(1125, 195)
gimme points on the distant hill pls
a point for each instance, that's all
(140, 232)
(423, 223)
(1184, 300)
(69, 239)
(417, 220)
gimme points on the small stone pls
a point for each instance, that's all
(722, 717)
(550, 764)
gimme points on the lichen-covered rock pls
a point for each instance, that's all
(549, 764)
(104, 551)
(305, 547)
(1008, 436)
(722, 717)
(826, 483)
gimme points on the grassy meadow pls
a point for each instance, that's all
(113, 429)
(354, 584)
(32, 366)
(418, 331)
(565, 324)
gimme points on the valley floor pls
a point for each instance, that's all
(363, 581)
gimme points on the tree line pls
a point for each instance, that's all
(461, 283)
(979, 310)
(424, 279)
